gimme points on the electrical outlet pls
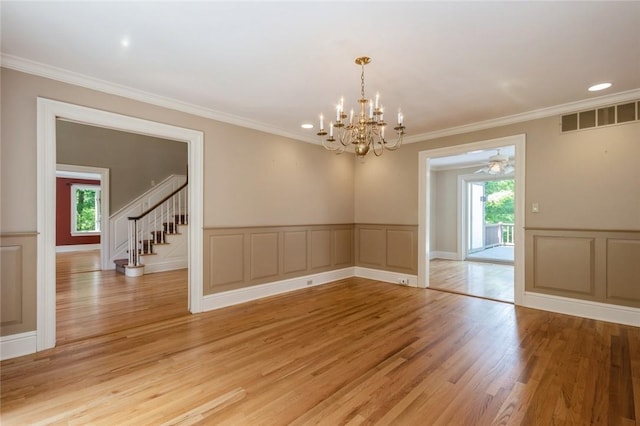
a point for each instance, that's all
(309, 282)
(403, 281)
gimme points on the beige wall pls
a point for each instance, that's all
(251, 178)
(444, 215)
(133, 160)
(587, 179)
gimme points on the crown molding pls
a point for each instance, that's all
(77, 79)
(59, 74)
(570, 107)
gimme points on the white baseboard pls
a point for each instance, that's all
(16, 345)
(447, 255)
(583, 308)
(170, 265)
(241, 295)
(386, 276)
(77, 247)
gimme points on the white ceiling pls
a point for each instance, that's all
(472, 158)
(274, 65)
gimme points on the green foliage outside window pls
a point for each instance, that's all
(86, 220)
(500, 201)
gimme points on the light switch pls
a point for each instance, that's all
(535, 208)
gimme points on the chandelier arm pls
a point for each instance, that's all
(380, 151)
(345, 137)
(329, 145)
(394, 146)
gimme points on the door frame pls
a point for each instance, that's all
(71, 170)
(463, 213)
(424, 204)
(468, 222)
(48, 111)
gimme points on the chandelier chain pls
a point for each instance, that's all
(362, 81)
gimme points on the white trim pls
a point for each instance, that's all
(77, 247)
(101, 174)
(246, 294)
(424, 204)
(47, 113)
(386, 276)
(169, 265)
(583, 308)
(59, 74)
(16, 345)
(447, 255)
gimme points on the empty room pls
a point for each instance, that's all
(405, 213)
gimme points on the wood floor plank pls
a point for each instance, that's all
(355, 351)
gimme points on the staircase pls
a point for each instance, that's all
(158, 237)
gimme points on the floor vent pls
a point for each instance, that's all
(604, 116)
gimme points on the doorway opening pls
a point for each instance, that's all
(82, 226)
(489, 220)
(49, 112)
(452, 229)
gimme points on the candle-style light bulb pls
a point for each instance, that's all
(321, 122)
(331, 129)
(377, 100)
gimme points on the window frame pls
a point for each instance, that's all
(74, 211)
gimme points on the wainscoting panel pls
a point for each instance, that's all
(371, 245)
(320, 248)
(401, 249)
(237, 258)
(596, 265)
(226, 260)
(564, 264)
(264, 255)
(623, 270)
(295, 251)
(343, 247)
(387, 247)
(18, 289)
(11, 275)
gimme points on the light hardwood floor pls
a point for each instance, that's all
(481, 279)
(90, 302)
(355, 351)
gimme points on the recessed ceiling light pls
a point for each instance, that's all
(600, 86)
(307, 126)
(124, 42)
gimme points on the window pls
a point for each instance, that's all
(85, 209)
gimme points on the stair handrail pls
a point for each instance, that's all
(134, 256)
(156, 205)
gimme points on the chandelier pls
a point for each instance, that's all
(365, 130)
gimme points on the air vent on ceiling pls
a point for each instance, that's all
(603, 116)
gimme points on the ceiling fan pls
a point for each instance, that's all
(498, 165)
